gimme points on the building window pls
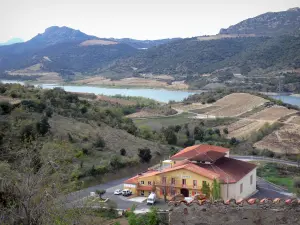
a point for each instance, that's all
(142, 193)
(194, 183)
(183, 182)
(173, 181)
(251, 179)
(142, 182)
(149, 182)
(241, 188)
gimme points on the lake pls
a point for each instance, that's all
(161, 95)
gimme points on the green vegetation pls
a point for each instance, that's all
(281, 175)
(150, 218)
(216, 190)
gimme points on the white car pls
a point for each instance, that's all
(118, 192)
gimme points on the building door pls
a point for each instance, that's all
(184, 192)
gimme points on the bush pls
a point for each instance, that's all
(99, 143)
(100, 192)
(43, 126)
(267, 153)
(123, 152)
(145, 155)
(225, 130)
(5, 108)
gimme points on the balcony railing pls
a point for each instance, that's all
(178, 185)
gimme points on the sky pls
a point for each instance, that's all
(139, 19)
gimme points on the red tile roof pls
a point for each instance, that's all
(132, 180)
(194, 168)
(209, 156)
(229, 168)
(196, 150)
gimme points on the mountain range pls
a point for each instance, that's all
(266, 43)
(12, 41)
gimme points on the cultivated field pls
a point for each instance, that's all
(236, 104)
(286, 140)
(243, 128)
(132, 82)
(273, 113)
(98, 42)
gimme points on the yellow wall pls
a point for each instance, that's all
(178, 175)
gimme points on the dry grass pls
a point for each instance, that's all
(286, 140)
(132, 82)
(115, 139)
(273, 113)
(119, 101)
(97, 42)
(10, 100)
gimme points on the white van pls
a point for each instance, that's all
(126, 192)
(151, 198)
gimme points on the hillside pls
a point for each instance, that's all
(193, 56)
(268, 24)
(12, 41)
(90, 134)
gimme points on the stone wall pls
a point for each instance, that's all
(256, 212)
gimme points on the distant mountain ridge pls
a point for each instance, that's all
(12, 41)
(268, 24)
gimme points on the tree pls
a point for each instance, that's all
(100, 192)
(115, 162)
(216, 190)
(218, 132)
(5, 108)
(145, 155)
(43, 126)
(205, 189)
(123, 152)
(233, 141)
(177, 128)
(170, 136)
(225, 130)
(48, 112)
(199, 133)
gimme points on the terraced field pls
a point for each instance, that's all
(243, 128)
(236, 104)
(286, 140)
(273, 113)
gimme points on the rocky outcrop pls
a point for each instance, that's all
(251, 212)
(269, 24)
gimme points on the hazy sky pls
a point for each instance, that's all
(141, 19)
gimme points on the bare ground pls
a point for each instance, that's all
(286, 140)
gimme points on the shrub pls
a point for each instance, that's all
(145, 155)
(225, 130)
(267, 153)
(49, 112)
(122, 152)
(43, 126)
(100, 192)
(99, 143)
(5, 108)
(116, 163)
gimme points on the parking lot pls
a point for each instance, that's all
(265, 190)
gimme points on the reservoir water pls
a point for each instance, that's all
(161, 95)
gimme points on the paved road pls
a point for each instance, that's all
(269, 190)
(265, 159)
(265, 189)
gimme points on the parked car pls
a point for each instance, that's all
(118, 192)
(151, 199)
(126, 192)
